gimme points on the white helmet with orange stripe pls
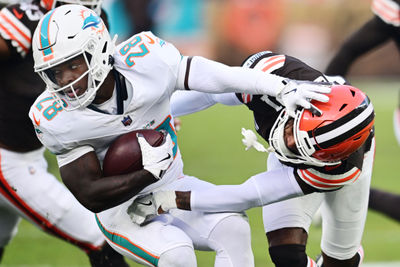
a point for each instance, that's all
(345, 124)
(66, 33)
(92, 4)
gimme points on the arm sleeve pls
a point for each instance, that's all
(187, 102)
(261, 189)
(201, 74)
(70, 156)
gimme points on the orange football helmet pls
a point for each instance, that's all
(346, 122)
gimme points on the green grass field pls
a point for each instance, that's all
(211, 146)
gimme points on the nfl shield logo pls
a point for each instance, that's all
(126, 121)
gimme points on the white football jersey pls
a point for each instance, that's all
(150, 67)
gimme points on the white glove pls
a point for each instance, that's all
(156, 159)
(250, 140)
(300, 93)
(145, 208)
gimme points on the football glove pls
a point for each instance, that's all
(156, 159)
(145, 208)
(295, 94)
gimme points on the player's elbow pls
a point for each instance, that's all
(93, 206)
(89, 202)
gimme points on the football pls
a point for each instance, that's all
(124, 154)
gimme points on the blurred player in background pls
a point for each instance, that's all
(330, 153)
(140, 14)
(95, 95)
(4, 3)
(27, 189)
(385, 202)
(381, 28)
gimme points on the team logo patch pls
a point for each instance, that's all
(39, 133)
(149, 124)
(161, 42)
(126, 121)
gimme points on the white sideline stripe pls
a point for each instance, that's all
(382, 264)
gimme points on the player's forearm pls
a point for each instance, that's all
(209, 76)
(108, 192)
(188, 102)
(262, 189)
(97, 193)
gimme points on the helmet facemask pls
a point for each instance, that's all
(304, 152)
(70, 93)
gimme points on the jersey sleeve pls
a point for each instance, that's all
(52, 134)
(70, 156)
(188, 102)
(151, 58)
(328, 182)
(17, 24)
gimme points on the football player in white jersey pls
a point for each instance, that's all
(27, 189)
(330, 153)
(96, 92)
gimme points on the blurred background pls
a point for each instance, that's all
(228, 31)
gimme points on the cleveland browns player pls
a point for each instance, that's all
(27, 189)
(319, 157)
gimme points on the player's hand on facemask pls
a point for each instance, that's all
(300, 93)
(156, 159)
(145, 208)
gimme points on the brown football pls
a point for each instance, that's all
(124, 154)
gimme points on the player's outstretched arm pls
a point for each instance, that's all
(85, 180)
(200, 74)
(188, 102)
(261, 189)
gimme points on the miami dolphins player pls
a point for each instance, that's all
(96, 92)
(27, 189)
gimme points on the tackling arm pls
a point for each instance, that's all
(208, 76)
(187, 102)
(261, 189)
(85, 180)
